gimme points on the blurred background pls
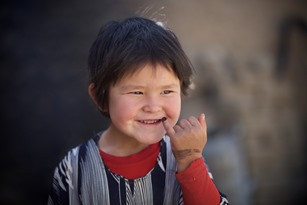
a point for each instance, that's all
(251, 62)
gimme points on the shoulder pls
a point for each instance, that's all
(69, 164)
(74, 155)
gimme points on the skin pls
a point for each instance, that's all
(137, 104)
(188, 139)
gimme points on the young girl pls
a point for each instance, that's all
(138, 72)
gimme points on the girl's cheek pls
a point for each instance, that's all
(173, 112)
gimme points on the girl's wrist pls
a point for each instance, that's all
(184, 163)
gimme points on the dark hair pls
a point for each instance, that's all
(121, 48)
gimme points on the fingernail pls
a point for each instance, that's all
(163, 119)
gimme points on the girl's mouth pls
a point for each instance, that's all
(151, 122)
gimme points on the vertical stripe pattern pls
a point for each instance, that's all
(172, 188)
(82, 178)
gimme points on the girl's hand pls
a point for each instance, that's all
(188, 139)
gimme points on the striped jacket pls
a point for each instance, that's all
(82, 178)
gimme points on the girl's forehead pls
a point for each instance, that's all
(155, 70)
(149, 78)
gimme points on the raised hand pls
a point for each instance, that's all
(188, 139)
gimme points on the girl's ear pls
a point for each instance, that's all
(91, 92)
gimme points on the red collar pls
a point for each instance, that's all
(133, 166)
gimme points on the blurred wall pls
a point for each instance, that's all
(250, 58)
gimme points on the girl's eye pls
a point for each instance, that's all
(136, 93)
(165, 92)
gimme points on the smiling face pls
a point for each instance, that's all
(138, 102)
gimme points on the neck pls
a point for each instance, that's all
(117, 144)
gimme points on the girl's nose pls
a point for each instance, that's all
(152, 104)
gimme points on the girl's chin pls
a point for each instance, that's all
(150, 141)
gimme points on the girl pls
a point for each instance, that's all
(138, 72)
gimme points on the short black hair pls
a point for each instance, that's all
(123, 47)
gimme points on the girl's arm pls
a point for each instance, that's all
(197, 186)
(188, 139)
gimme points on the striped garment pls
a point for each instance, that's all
(82, 178)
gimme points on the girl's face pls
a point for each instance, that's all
(139, 101)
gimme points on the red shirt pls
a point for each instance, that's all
(196, 185)
(133, 166)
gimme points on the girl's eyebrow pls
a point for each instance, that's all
(170, 86)
(130, 87)
(135, 87)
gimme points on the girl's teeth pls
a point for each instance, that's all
(150, 121)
